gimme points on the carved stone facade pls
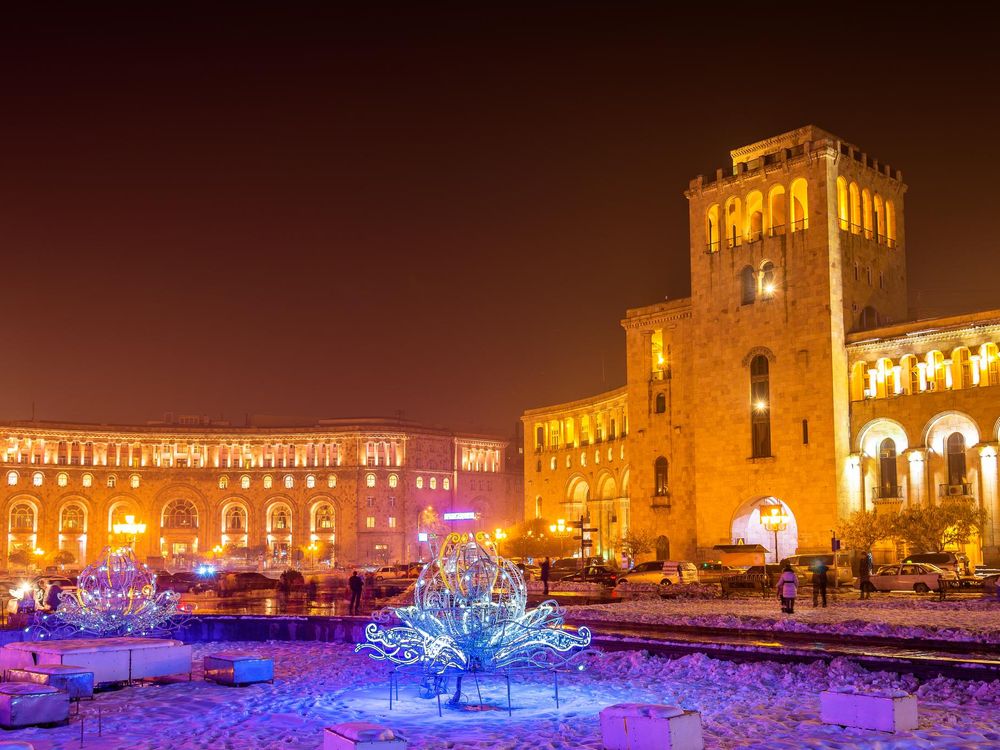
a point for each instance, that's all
(778, 380)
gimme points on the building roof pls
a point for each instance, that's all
(926, 327)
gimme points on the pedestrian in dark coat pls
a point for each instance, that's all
(819, 583)
(355, 583)
(865, 575)
(545, 576)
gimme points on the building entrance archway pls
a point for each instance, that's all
(748, 529)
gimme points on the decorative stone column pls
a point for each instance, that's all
(916, 462)
(990, 541)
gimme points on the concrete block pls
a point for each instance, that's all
(642, 726)
(893, 711)
(359, 735)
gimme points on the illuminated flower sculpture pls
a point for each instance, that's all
(115, 595)
(469, 615)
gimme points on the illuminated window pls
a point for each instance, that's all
(61, 479)
(890, 224)
(112, 480)
(289, 481)
(370, 480)
(446, 483)
(180, 514)
(569, 462)
(393, 481)
(888, 486)
(434, 483)
(133, 481)
(611, 454)
(760, 407)
(855, 198)
(22, 518)
(324, 517)
(37, 479)
(370, 522)
(310, 482)
(866, 213)
(420, 482)
(281, 518)
(236, 520)
(748, 286)
(583, 459)
(755, 216)
(734, 220)
(392, 522)
(552, 463)
(661, 403)
(712, 229)
(800, 205)
(878, 211)
(245, 482)
(87, 480)
(331, 481)
(956, 459)
(71, 518)
(11, 478)
(660, 472)
(776, 210)
(268, 482)
(843, 209)
(223, 483)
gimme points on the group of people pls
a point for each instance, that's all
(788, 583)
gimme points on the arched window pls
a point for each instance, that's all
(112, 480)
(989, 359)
(888, 485)
(22, 518)
(937, 376)
(180, 514)
(393, 481)
(878, 213)
(859, 371)
(711, 237)
(281, 519)
(244, 482)
(760, 407)
(324, 517)
(661, 403)
(583, 459)
(446, 483)
(87, 480)
(869, 319)
(776, 210)
(434, 482)
(734, 220)
(133, 481)
(538, 507)
(420, 480)
(843, 209)
(369, 480)
(866, 213)
(767, 275)
(962, 367)
(11, 478)
(289, 481)
(890, 224)
(956, 459)
(310, 482)
(236, 520)
(71, 518)
(661, 477)
(331, 481)
(909, 374)
(855, 196)
(268, 482)
(62, 479)
(748, 286)
(37, 478)
(799, 205)
(223, 483)
(755, 216)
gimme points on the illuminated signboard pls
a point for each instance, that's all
(422, 536)
(465, 515)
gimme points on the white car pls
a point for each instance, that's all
(389, 571)
(662, 572)
(919, 577)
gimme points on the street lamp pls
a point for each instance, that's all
(559, 530)
(499, 534)
(38, 556)
(312, 548)
(774, 519)
(130, 529)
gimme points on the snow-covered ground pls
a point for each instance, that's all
(756, 705)
(892, 616)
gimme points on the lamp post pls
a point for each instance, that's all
(559, 530)
(774, 519)
(130, 529)
(38, 557)
(499, 534)
(312, 549)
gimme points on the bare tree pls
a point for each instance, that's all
(637, 541)
(863, 529)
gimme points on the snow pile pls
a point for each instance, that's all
(752, 705)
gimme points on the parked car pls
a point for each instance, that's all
(991, 583)
(662, 572)
(601, 574)
(759, 577)
(956, 562)
(919, 577)
(713, 572)
(386, 572)
(838, 574)
(530, 572)
(185, 582)
(230, 583)
(564, 566)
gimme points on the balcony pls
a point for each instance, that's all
(660, 500)
(955, 490)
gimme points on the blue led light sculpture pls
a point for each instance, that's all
(115, 596)
(469, 615)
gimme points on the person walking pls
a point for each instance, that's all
(865, 575)
(819, 583)
(788, 586)
(356, 584)
(545, 576)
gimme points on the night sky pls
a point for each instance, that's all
(440, 210)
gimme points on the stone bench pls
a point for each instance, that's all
(76, 681)
(238, 668)
(890, 711)
(360, 735)
(642, 726)
(110, 659)
(23, 704)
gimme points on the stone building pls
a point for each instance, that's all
(788, 380)
(362, 489)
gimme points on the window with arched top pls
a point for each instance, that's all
(888, 484)
(712, 226)
(446, 483)
(22, 518)
(37, 479)
(180, 514)
(289, 481)
(843, 208)
(955, 447)
(62, 479)
(434, 483)
(112, 481)
(755, 216)
(878, 218)
(799, 205)
(369, 480)
(71, 518)
(734, 222)
(661, 477)
(87, 480)
(12, 478)
(281, 518)
(937, 376)
(989, 363)
(236, 520)
(661, 403)
(268, 481)
(776, 211)
(748, 286)
(244, 482)
(855, 198)
(223, 483)
(393, 481)
(324, 517)
(961, 360)
(890, 224)
(133, 481)
(760, 407)
(866, 213)
(331, 481)
(767, 279)
(310, 482)
(420, 481)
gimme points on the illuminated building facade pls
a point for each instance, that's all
(358, 489)
(784, 379)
